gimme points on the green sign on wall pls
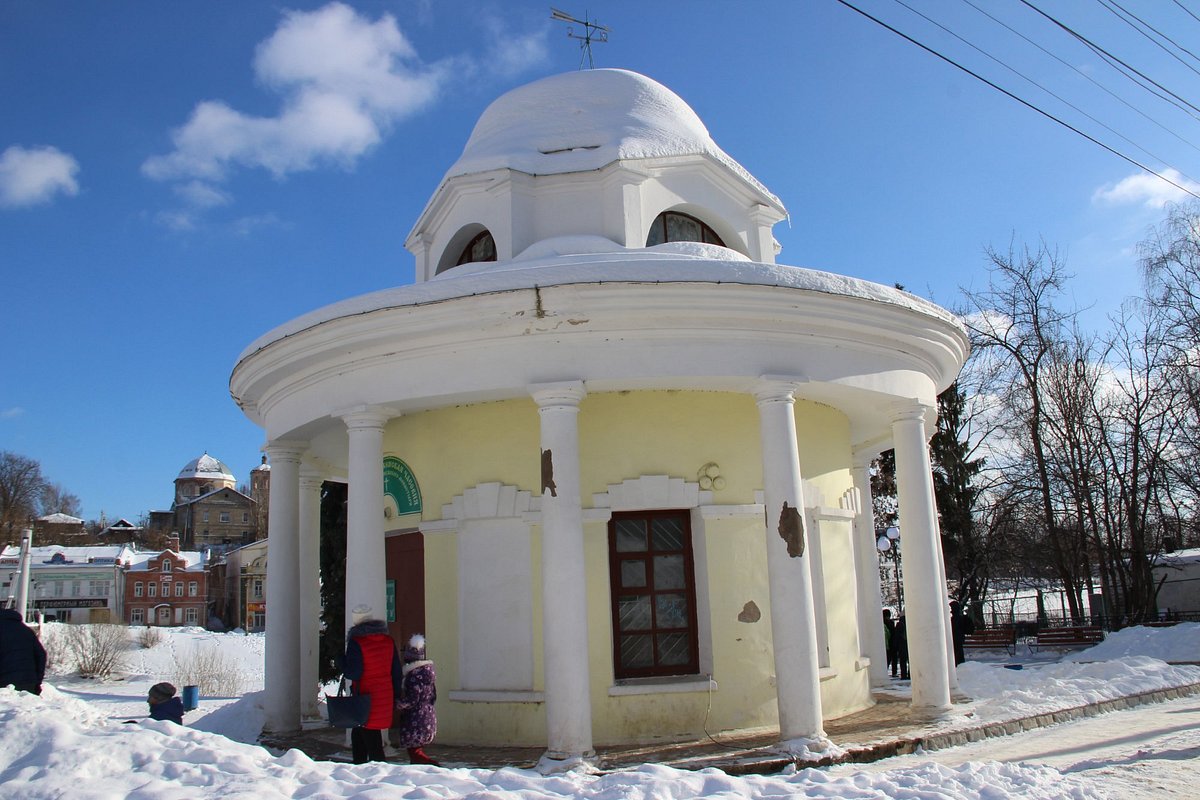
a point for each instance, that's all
(391, 601)
(401, 485)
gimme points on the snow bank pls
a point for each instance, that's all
(1176, 644)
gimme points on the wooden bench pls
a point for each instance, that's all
(992, 639)
(1080, 636)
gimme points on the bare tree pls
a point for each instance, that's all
(21, 485)
(56, 499)
(1018, 322)
(1170, 260)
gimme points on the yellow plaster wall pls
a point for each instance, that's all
(622, 436)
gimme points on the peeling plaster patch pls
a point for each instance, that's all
(548, 473)
(750, 613)
(791, 529)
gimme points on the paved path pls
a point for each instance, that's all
(1152, 751)
(882, 732)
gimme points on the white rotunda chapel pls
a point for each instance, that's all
(625, 452)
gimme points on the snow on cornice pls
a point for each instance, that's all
(594, 259)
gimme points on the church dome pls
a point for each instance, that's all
(579, 121)
(206, 467)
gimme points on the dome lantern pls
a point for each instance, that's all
(599, 153)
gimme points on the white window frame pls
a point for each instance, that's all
(139, 589)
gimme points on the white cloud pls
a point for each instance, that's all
(343, 81)
(199, 194)
(177, 220)
(244, 226)
(512, 54)
(1146, 189)
(12, 413)
(33, 176)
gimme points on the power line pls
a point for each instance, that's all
(1061, 99)
(1125, 16)
(1025, 103)
(1109, 56)
(1187, 10)
(1085, 76)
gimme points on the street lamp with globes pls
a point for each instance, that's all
(888, 545)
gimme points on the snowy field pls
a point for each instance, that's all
(74, 742)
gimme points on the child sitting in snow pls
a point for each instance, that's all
(164, 705)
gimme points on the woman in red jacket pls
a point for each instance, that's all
(373, 665)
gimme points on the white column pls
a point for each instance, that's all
(366, 567)
(310, 589)
(924, 598)
(866, 569)
(793, 624)
(951, 667)
(564, 580)
(282, 668)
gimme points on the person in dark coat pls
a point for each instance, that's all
(889, 640)
(961, 627)
(418, 720)
(164, 704)
(373, 666)
(900, 637)
(22, 657)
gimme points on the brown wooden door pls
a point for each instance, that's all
(405, 555)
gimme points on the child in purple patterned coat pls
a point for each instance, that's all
(418, 721)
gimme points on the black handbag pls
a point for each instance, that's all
(348, 710)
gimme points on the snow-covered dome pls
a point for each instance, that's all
(598, 155)
(579, 121)
(206, 467)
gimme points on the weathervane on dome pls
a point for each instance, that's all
(592, 32)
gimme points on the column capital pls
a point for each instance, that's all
(281, 450)
(910, 412)
(561, 393)
(366, 417)
(777, 388)
(861, 459)
(310, 478)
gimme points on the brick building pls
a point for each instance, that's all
(166, 588)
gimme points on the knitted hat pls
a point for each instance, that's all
(162, 691)
(360, 614)
(416, 648)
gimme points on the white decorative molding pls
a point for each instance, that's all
(725, 512)
(677, 685)
(652, 491)
(490, 501)
(814, 502)
(496, 696)
(828, 673)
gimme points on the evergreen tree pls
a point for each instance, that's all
(333, 579)
(953, 475)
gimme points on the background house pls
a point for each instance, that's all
(168, 588)
(71, 584)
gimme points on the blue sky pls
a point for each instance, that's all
(176, 178)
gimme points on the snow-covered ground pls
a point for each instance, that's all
(73, 741)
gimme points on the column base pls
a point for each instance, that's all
(808, 747)
(553, 763)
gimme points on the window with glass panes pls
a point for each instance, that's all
(672, 226)
(653, 594)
